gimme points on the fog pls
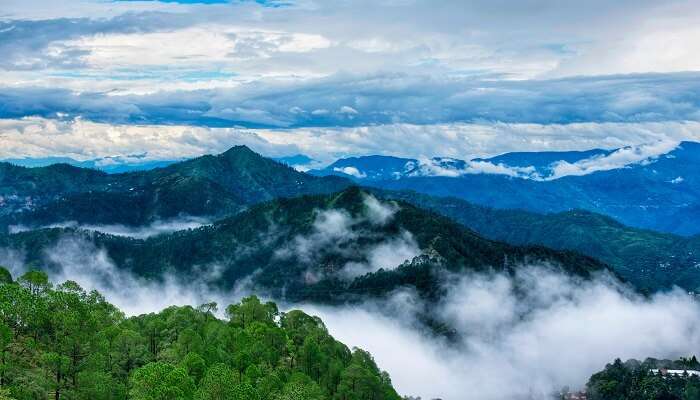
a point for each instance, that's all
(522, 336)
(138, 232)
(336, 231)
(91, 268)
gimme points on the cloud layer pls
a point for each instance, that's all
(81, 140)
(410, 71)
(137, 232)
(382, 98)
(554, 331)
(520, 336)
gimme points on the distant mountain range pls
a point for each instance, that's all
(212, 186)
(660, 193)
(110, 165)
(130, 163)
(533, 165)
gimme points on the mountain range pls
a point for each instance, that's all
(327, 248)
(661, 193)
(259, 216)
(110, 165)
(211, 186)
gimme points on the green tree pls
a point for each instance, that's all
(250, 310)
(161, 381)
(219, 383)
(5, 275)
(36, 281)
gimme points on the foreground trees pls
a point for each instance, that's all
(65, 343)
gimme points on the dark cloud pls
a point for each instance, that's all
(352, 100)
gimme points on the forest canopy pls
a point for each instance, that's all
(62, 342)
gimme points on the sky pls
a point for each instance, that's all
(92, 78)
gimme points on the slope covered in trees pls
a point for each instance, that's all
(635, 380)
(61, 342)
(212, 186)
(650, 260)
(326, 248)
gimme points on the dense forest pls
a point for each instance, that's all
(61, 342)
(635, 380)
(650, 260)
(252, 244)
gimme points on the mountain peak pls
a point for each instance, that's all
(238, 151)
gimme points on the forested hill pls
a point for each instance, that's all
(650, 260)
(64, 343)
(646, 380)
(212, 186)
(324, 247)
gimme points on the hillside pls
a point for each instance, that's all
(650, 260)
(328, 248)
(648, 379)
(65, 343)
(211, 186)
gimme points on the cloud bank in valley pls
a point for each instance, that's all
(521, 336)
(138, 232)
(519, 344)
(336, 231)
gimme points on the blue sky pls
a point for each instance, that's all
(337, 66)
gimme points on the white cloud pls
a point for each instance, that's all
(205, 46)
(618, 159)
(352, 171)
(435, 167)
(387, 255)
(553, 331)
(379, 213)
(312, 39)
(335, 231)
(92, 268)
(347, 110)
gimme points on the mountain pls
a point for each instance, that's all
(378, 168)
(662, 194)
(296, 161)
(649, 260)
(211, 186)
(111, 165)
(328, 248)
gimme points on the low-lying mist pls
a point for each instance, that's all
(138, 232)
(521, 337)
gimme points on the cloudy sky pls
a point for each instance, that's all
(88, 78)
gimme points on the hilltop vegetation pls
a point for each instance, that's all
(650, 260)
(65, 343)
